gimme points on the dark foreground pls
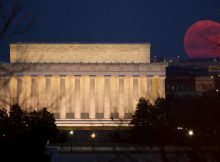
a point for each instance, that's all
(125, 154)
(114, 146)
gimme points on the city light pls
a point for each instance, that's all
(71, 132)
(190, 132)
(71, 135)
(179, 128)
(93, 135)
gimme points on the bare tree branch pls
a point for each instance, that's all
(14, 19)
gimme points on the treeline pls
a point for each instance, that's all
(178, 120)
(23, 135)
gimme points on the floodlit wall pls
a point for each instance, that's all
(80, 53)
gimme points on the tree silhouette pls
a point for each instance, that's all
(3, 121)
(24, 135)
(143, 122)
(143, 114)
(42, 123)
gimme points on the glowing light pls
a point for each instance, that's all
(190, 132)
(93, 135)
(179, 128)
(217, 90)
(71, 132)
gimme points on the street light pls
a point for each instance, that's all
(179, 128)
(71, 134)
(93, 136)
(190, 132)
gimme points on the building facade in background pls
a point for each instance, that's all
(192, 77)
(82, 84)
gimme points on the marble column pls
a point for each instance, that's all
(26, 91)
(114, 84)
(121, 109)
(107, 95)
(135, 92)
(6, 87)
(155, 89)
(77, 112)
(162, 86)
(19, 91)
(149, 88)
(55, 95)
(127, 95)
(68, 96)
(72, 95)
(62, 97)
(41, 88)
(48, 92)
(1, 91)
(130, 95)
(92, 98)
(34, 92)
(99, 94)
(13, 90)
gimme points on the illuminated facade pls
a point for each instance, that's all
(82, 84)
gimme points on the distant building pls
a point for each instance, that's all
(82, 84)
(179, 81)
(165, 59)
(192, 77)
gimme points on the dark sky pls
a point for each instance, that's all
(163, 23)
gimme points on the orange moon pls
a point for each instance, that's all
(202, 40)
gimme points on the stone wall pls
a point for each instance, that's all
(80, 53)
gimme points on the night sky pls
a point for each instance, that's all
(163, 23)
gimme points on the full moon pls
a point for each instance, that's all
(202, 40)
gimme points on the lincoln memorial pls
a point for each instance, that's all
(83, 84)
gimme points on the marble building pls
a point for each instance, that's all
(82, 84)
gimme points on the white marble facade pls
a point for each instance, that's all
(82, 94)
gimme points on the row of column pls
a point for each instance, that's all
(66, 94)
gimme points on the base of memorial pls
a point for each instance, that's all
(92, 123)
